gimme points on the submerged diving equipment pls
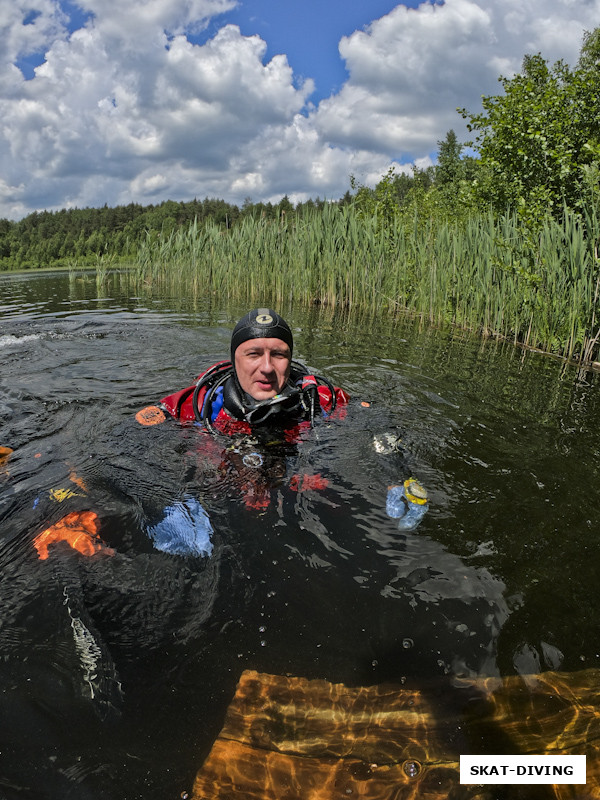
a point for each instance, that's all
(185, 530)
(79, 530)
(5, 454)
(407, 503)
(385, 443)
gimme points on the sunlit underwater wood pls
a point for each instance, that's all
(295, 739)
(553, 713)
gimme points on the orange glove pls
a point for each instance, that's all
(79, 529)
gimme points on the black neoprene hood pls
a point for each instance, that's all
(262, 323)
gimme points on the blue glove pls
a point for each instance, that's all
(185, 530)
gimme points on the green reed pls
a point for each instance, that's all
(487, 273)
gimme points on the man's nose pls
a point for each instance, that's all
(266, 363)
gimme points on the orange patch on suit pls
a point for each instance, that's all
(151, 415)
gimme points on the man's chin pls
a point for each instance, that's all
(263, 394)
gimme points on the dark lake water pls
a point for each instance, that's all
(117, 669)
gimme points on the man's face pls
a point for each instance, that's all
(262, 367)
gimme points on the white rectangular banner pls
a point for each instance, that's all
(522, 769)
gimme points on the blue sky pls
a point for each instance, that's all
(307, 32)
(75, 18)
(105, 101)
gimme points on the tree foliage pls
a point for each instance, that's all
(535, 139)
(443, 190)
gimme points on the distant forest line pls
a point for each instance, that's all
(84, 235)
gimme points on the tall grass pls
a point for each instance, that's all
(488, 273)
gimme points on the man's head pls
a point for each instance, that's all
(261, 352)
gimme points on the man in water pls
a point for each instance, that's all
(261, 398)
(259, 386)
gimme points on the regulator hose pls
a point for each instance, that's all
(217, 375)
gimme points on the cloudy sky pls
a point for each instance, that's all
(114, 101)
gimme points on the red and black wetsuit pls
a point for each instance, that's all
(216, 401)
(225, 415)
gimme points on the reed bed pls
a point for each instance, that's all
(487, 273)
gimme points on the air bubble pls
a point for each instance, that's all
(411, 768)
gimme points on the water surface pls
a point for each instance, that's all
(117, 669)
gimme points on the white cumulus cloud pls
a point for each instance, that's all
(411, 70)
(129, 108)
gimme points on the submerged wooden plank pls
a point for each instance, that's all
(287, 738)
(237, 770)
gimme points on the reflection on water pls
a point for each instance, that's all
(326, 740)
(118, 669)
